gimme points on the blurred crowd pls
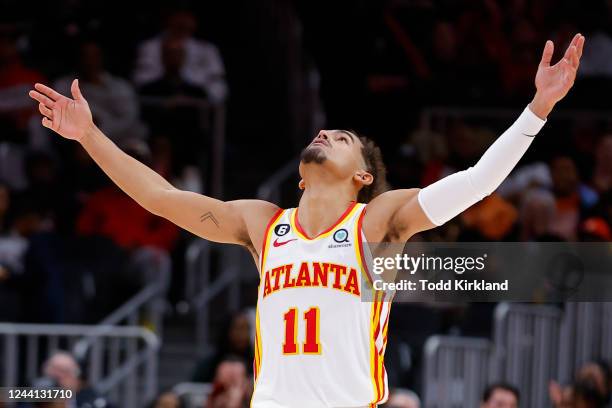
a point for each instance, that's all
(58, 212)
(69, 238)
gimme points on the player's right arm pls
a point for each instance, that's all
(239, 222)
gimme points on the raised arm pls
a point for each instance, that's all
(397, 215)
(240, 222)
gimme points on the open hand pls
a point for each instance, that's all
(554, 81)
(70, 118)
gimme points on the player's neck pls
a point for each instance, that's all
(322, 205)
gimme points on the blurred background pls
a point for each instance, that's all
(99, 296)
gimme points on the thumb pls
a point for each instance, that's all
(76, 92)
(549, 49)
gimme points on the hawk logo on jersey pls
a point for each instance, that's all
(282, 229)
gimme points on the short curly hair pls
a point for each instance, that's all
(372, 156)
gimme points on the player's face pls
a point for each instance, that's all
(501, 399)
(339, 150)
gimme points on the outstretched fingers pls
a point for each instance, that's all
(41, 98)
(580, 45)
(46, 122)
(49, 92)
(45, 111)
(574, 51)
(547, 54)
(574, 58)
(75, 90)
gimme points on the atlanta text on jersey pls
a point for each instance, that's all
(312, 274)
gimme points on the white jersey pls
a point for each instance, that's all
(318, 344)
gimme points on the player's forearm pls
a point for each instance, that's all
(137, 180)
(446, 198)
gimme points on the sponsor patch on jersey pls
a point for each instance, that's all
(341, 239)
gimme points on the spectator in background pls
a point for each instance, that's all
(16, 111)
(602, 175)
(519, 63)
(604, 207)
(62, 370)
(572, 197)
(170, 105)
(171, 83)
(596, 60)
(109, 212)
(235, 343)
(15, 81)
(538, 211)
(167, 399)
(492, 219)
(594, 229)
(12, 249)
(202, 66)
(26, 220)
(113, 101)
(402, 398)
(4, 206)
(591, 388)
(500, 395)
(231, 386)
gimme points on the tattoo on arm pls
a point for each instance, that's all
(209, 216)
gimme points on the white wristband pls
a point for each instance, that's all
(447, 198)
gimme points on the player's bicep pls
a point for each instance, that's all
(395, 216)
(206, 217)
(412, 217)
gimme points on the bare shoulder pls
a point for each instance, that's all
(379, 221)
(256, 215)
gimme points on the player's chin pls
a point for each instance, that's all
(313, 154)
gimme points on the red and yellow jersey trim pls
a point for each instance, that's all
(266, 241)
(262, 260)
(295, 223)
(377, 366)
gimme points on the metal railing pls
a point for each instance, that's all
(456, 369)
(526, 341)
(269, 190)
(586, 334)
(532, 344)
(201, 289)
(122, 361)
(147, 306)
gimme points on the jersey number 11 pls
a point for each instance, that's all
(311, 345)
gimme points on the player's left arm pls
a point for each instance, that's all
(397, 215)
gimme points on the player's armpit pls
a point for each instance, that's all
(236, 222)
(395, 216)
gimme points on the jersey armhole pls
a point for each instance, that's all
(265, 240)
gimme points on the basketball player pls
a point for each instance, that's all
(317, 343)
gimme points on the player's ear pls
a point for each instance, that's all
(363, 177)
(301, 184)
